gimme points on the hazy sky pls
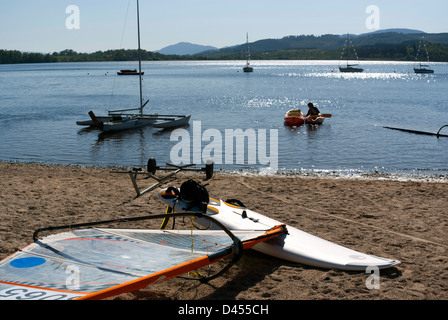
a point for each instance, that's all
(41, 26)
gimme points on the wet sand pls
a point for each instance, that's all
(407, 221)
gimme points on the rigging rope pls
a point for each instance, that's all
(422, 40)
(192, 238)
(346, 44)
(121, 47)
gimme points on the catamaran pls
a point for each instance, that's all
(350, 67)
(119, 120)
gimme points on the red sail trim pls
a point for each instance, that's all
(180, 269)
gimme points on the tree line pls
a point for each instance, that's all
(390, 52)
(14, 56)
(381, 52)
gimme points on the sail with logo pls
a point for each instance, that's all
(87, 262)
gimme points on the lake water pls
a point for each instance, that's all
(40, 104)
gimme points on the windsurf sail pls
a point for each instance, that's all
(97, 263)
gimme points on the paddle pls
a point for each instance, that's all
(323, 115)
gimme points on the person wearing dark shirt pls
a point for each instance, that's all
(312, 110)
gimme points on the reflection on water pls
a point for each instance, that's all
(363, 75)
(41, 104)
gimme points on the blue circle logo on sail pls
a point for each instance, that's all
(27, 262)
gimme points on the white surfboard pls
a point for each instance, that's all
(297, 246)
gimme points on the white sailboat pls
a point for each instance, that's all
(248, 68)
(119, 120)
(350, 67)
(422, 68)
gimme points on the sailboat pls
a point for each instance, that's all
(422, 68)
(119, 120)
(129, 72)
(248, 68)
(350, 67)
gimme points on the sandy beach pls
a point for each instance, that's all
(403, 220)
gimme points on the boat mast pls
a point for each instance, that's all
(422, 41)
(347, 41)
(139, 59)
(248, 50)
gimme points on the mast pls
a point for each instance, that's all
(348, 39)
(139, 59)
(248, 50)
(349, 43)
(422, 41)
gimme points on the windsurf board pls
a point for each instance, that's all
(296, 246)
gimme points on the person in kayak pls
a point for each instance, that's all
(312, 110)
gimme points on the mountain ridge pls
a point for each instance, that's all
(387, 44)
(309, 42)
(185, 48)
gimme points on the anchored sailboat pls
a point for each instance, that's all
(422, 68)
(248, 68)
(119, 120)
(129, 72)
(350, 67)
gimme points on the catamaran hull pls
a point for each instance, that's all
(126, 125)
(107, 123)
(90, 122)
(172, 123)
(143, 122)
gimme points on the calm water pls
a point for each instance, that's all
(40, 104)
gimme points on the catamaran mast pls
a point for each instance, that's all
(139, 59)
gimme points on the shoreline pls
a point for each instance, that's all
(403, 220)
(293, 173)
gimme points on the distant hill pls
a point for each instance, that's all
(332, 42)
(389, 44)
(393, 30)
(185, 49)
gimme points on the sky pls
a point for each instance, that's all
(52, 25)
